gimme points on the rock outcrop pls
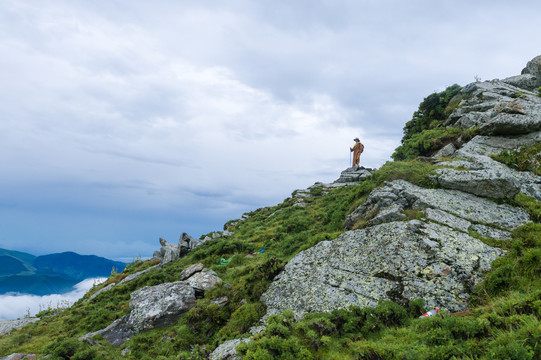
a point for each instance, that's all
(498, 108)
(20, 356)
(170, 252)
(533, 69)
(398, 261)
(387, 204)
(350, 176)
(353, 175)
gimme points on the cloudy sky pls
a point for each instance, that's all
(125, 121)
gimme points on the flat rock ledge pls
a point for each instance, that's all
(398, 261)
(387, 204)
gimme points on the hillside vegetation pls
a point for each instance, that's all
(502, 323)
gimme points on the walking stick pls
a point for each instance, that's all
(349, 159)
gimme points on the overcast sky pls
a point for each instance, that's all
(125, 121)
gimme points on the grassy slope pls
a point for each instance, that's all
(504, 322)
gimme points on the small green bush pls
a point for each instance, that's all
(258, 279)
(242, 319)
(63, 348)
(432, 110)
(526, 158)
(426, 143)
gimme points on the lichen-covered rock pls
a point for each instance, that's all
(525, 81)
(405, 195)
(492, 145)
(396, 261)
(203, 280)
(151, 307)
(498, 108)
(446, 151)
(159, 305)
(493, 182)
(487, 231)
(21, 356)
(483, 176)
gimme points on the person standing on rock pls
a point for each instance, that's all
(357, 149)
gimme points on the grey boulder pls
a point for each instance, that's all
(151, 307)
(398, 261)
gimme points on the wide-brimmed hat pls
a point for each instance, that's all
(356, 139)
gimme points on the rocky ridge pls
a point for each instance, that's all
(435, 257)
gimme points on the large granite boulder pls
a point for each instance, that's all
(398, 261)
(151, 307)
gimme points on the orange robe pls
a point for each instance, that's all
(357, 150)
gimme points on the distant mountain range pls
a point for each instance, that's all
(50, 274)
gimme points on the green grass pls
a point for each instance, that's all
(527, 158)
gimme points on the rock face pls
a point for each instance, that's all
(498, 108)
(387, 203)
(396, 261)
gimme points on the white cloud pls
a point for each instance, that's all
(17, 306)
